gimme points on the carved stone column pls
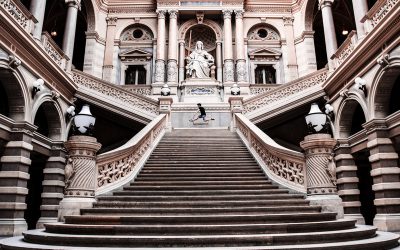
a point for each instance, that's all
(386, 176)
(70, 29)
(292, 59)
(347, 182)
(329, 29)
(14, 176)
(37, 8)
(218, 61)
(165, 108)
(321, 175)
(80, 175)
(53, 185)
(229, 66)
(241, 67)
(160, 61)
(181, 61)
(172, 68)
(109, 50)
(360, 8)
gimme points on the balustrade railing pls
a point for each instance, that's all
(345, 49)
(257, 89)
(282, 165)
(138, 89)
(285, 91)
(117, 167)
(378, 12)
(52, 49)
(115, 94)
(19, 14)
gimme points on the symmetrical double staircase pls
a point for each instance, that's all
(203, 189)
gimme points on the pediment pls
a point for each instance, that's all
(265, 52)
(135, 53)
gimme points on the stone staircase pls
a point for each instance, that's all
(202, 189)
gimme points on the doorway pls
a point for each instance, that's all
(135, 74)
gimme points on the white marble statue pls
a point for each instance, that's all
(199, 62)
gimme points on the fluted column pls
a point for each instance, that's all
(228, 55)
(291, 55)
(241, 69)
(329, 29)
(360, 8)
(109, 50)
(160, 61)
(70, 29)
(172, 68)
(218, 61)
(37, 8)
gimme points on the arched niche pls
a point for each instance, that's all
(185, 28)
(48, 117)
(352, 113)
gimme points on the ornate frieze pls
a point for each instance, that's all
(52, 49)
(13, 9)
(384, 8)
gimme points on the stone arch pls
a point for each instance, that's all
(309, 15)
(17, 92)
(148, 32)
(50, 110)
(193, 22)
(271, 35)
(382, 85)
(91, 15)
(346, 112)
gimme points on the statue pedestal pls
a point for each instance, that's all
(205, 90)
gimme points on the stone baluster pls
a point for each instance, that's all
(228, 55)
(347, 182)
(241, 68)
(14, 176)
(386, 175)
(291, 55)
(172, 67)
(360, 8)
(109, 50)
(70, 29)
(37, 8)
(329, 29)
(160, 57)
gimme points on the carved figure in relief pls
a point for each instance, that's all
(199, 62)
(331, 169)
(69, 173)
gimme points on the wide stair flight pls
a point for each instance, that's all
(203, 189)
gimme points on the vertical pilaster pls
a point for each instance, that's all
(53, 186)
(181, 61)
(347, 182)
(218, 61)
(172, 67)
(360, 8)
(386, 175)
(241, 68)
(70, 29)
(14, 176)
(329, 29)
(37, 8)
(292, 60)
(160, 61)
(109, 51)
(229, 77)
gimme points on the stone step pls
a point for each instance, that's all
(201, 187)
(202, 168)
(239, 229)
(140, 178)
(182, 176)
(201, 183)
(170, 161)
(194, 172)
(202, 156)
(38, 236)
(199, 210)
(213, 165)
(201, 192)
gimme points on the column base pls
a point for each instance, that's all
(73, 205)
(387, 222)
(12, 227)
(45, 220)
(329, 203)
(358, 217)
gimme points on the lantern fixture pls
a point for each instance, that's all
(317, 121)
(84, 121)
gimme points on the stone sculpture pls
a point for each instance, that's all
(199, 62)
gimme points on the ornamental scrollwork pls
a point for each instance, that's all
(12, 8)
(383, 11)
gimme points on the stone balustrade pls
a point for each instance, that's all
(282, 165)
(119, 166)
(138, 89)
(344, 51)
(378, 12)
(284, 91)
(17, 11)
(52, 49)
(258, 89)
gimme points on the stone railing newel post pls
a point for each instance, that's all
(165, 108)
(236, 105)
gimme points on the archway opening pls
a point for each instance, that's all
(358, 120)
(12, 99)
(47, 120)
(351, 118)
(394, 104)
(4, 108)
(387, 93)
(135, 74)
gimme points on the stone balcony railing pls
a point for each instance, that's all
(138, 89)
(345, 49)
(284, 92)
(283, 166)
(258, 89)
(378, 12)
(52, 49)
(17, 11)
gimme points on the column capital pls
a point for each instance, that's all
(173, 14)
(111, 21)
(73, 3)
(181, 42)
(161, 14)
(325, 3)
(239, 14)
(227, 14)
(288, 20)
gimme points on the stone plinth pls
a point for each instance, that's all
(80, 175)
(200, 90)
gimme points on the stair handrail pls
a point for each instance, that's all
(284, 91)
(117, 167)
(282, 165)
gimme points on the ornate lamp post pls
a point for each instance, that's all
(320, 163)
(80, 170)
